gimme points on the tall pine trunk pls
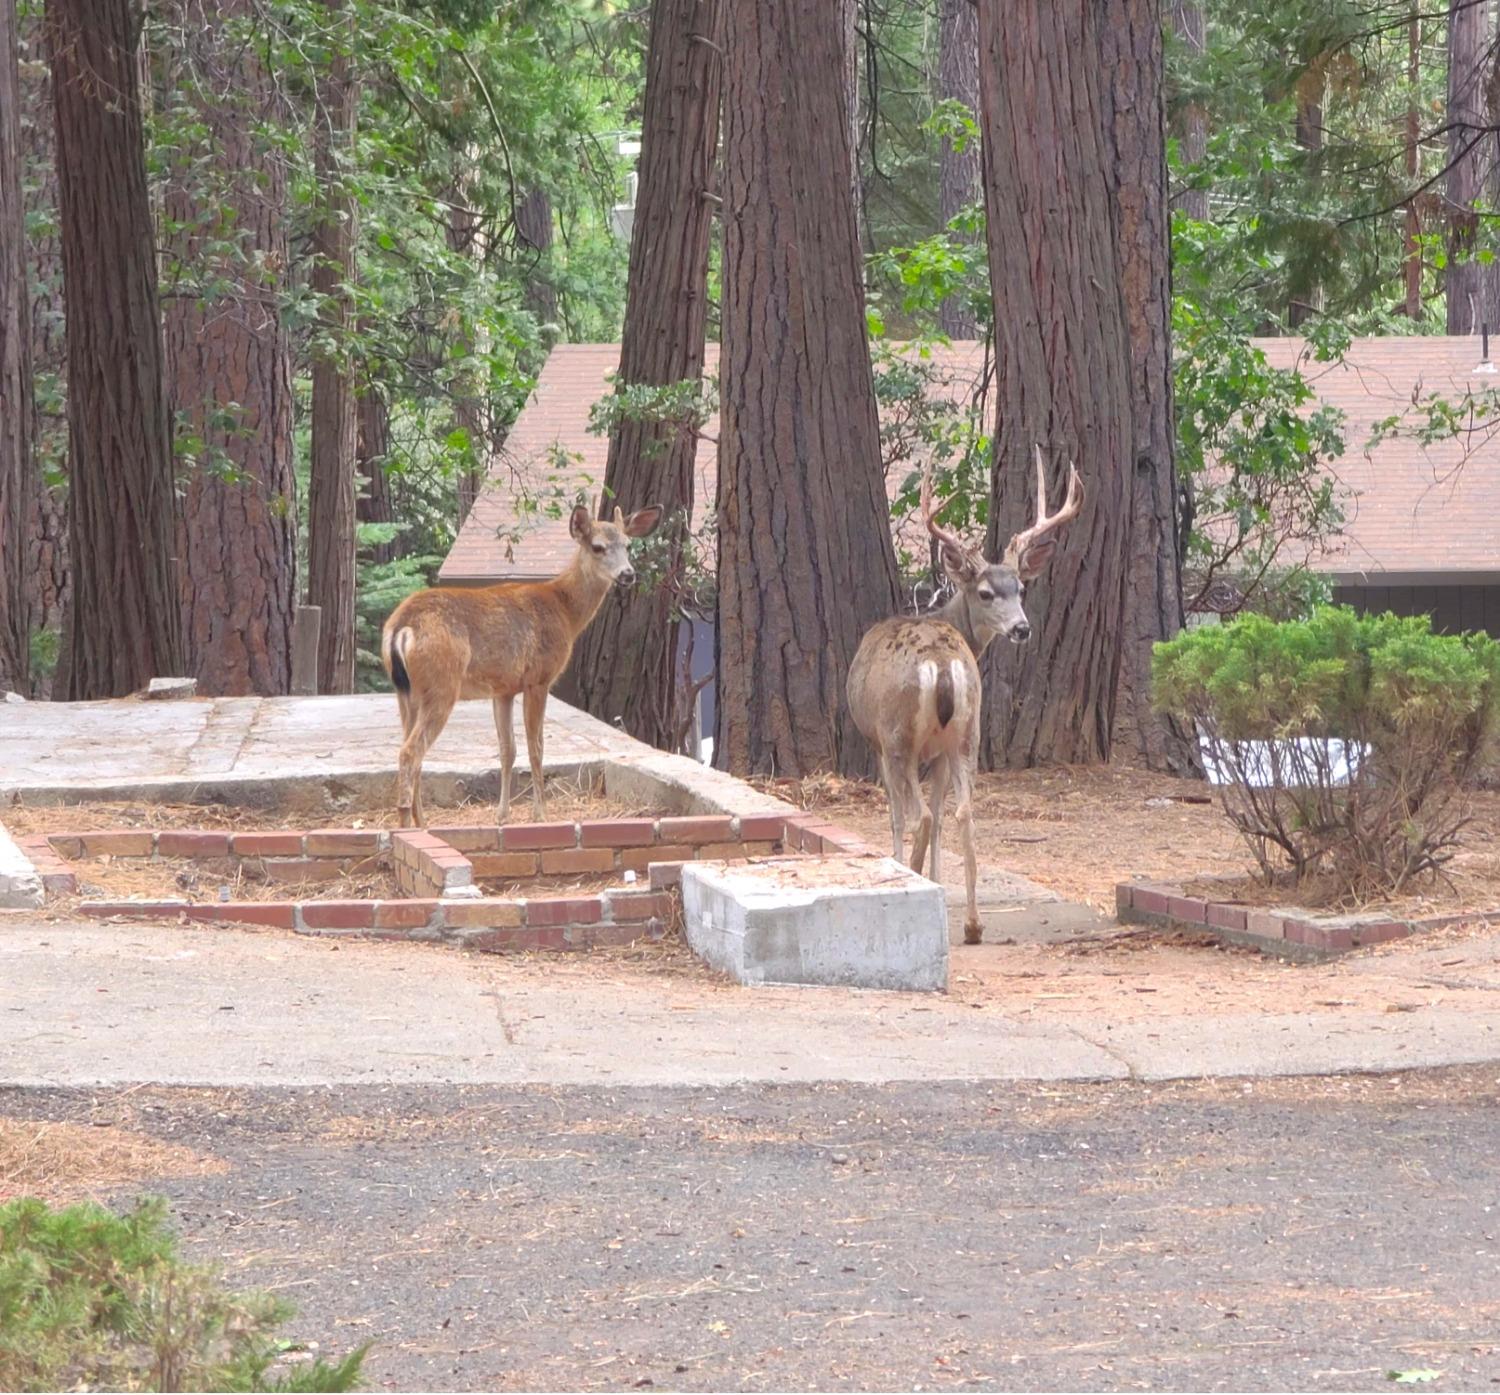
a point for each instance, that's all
(126, 622)
(958, 170)
(1465, 281)
(1135, 107)
(625, 664)
(1064, 375)
(1411, 267)
(225, 343)
(806, 563)
(1192, 117)
(330, 495)
(17, 483)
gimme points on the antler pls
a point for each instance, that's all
(945, 536)
(1026, 540)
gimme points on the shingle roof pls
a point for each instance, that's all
(1410, 509)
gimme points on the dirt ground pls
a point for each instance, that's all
(1079, 830)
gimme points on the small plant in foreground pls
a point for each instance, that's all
(93, 1299)
(1344, 742)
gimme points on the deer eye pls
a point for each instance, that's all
(598, 549)
(985, 594)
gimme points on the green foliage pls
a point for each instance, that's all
(682, 407)
(1415, 714)
(91, 1299)
(382, 587)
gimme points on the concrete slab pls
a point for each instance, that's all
(846, 921)
(20, 883)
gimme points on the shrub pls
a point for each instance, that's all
(91, 1299)
(1343, 742)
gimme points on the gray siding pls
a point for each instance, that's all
(1454, 609)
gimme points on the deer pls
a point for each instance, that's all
(914, 690)
(500, 642)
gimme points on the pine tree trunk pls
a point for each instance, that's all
(1411, 268)
(624, 665)
(468, 407)
(126, 626)
(1133, 75)
(806, 563)
(17, 484)
(330, 498)
(1064, 376)
(534, 241)
(1305, 301)
(1192, 120)
(853, 67)
(48, 573)
(958, 170)
(372, 448)
(225, 343)
(1464, 281)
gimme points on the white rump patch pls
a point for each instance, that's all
(927, 676)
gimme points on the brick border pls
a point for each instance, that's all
(436, 870)
(1288, 931)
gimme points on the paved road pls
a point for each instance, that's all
(1269, 1235)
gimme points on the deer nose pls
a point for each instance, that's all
(1021, 633)
(626, 578)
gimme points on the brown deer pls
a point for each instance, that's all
(914, 683)
(448, 643)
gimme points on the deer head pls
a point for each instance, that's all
(991, 592)
(604, 548)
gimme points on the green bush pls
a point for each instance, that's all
(91, 1299)
(1344, 742)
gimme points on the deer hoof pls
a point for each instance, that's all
(973, 934)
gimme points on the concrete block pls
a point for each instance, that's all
(849, 921)
(20, 882)
(165, 688)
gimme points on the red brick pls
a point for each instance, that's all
(404, 915)
(1269, 925)
(597, 936)
(625, 906)
(343, 842)
(1335, 937)
(417, 839)
(841, 839)
(1226, 917)
(618, 833)
(266, 844)
(716, 829)
(338, 915)
(279, 914)
(1188, 909)
(58, 883)
(62, 844)
(1124, 891)
(498, 940)
(504, 864)
(469, 840)
(574, 910)
(1381, 932)
(301, 869)
(492, 911)
(769, 850)
(178, 843)
(1303, 932)
(722, 852)
(121, 844)
(519, 837)
(641, 859)
(754, 827)
(665, 874)
(139, 909)
(562, 860)
(1150, 900)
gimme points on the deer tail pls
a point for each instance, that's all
(395, 661)
(946, 699)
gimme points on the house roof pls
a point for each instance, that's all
(1411, 510)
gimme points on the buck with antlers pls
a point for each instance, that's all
(448, 643)
(914, 682)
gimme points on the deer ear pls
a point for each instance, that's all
(1034, 560)
(642, 521)
(619, 518)
(957, 563)
(580, 525)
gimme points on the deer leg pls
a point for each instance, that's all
(963, 815)
(427, 723)
(935, 804)
(911, 793)
(896, 799)
(505, 728)
(533, 709)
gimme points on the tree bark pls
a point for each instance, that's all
(534, 238)
(1064, 378)
(958, 170)
(624, 666)
(853, 67)
(229, 364)
(1192, 118)
(806, 563)
(468, 405)
(47, 568)
(373, 446)
(126, 625)
(1135, 107)
(1465, 280)
(330, 499)
(1411, 269)
(17, 483)
(1305, 301)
